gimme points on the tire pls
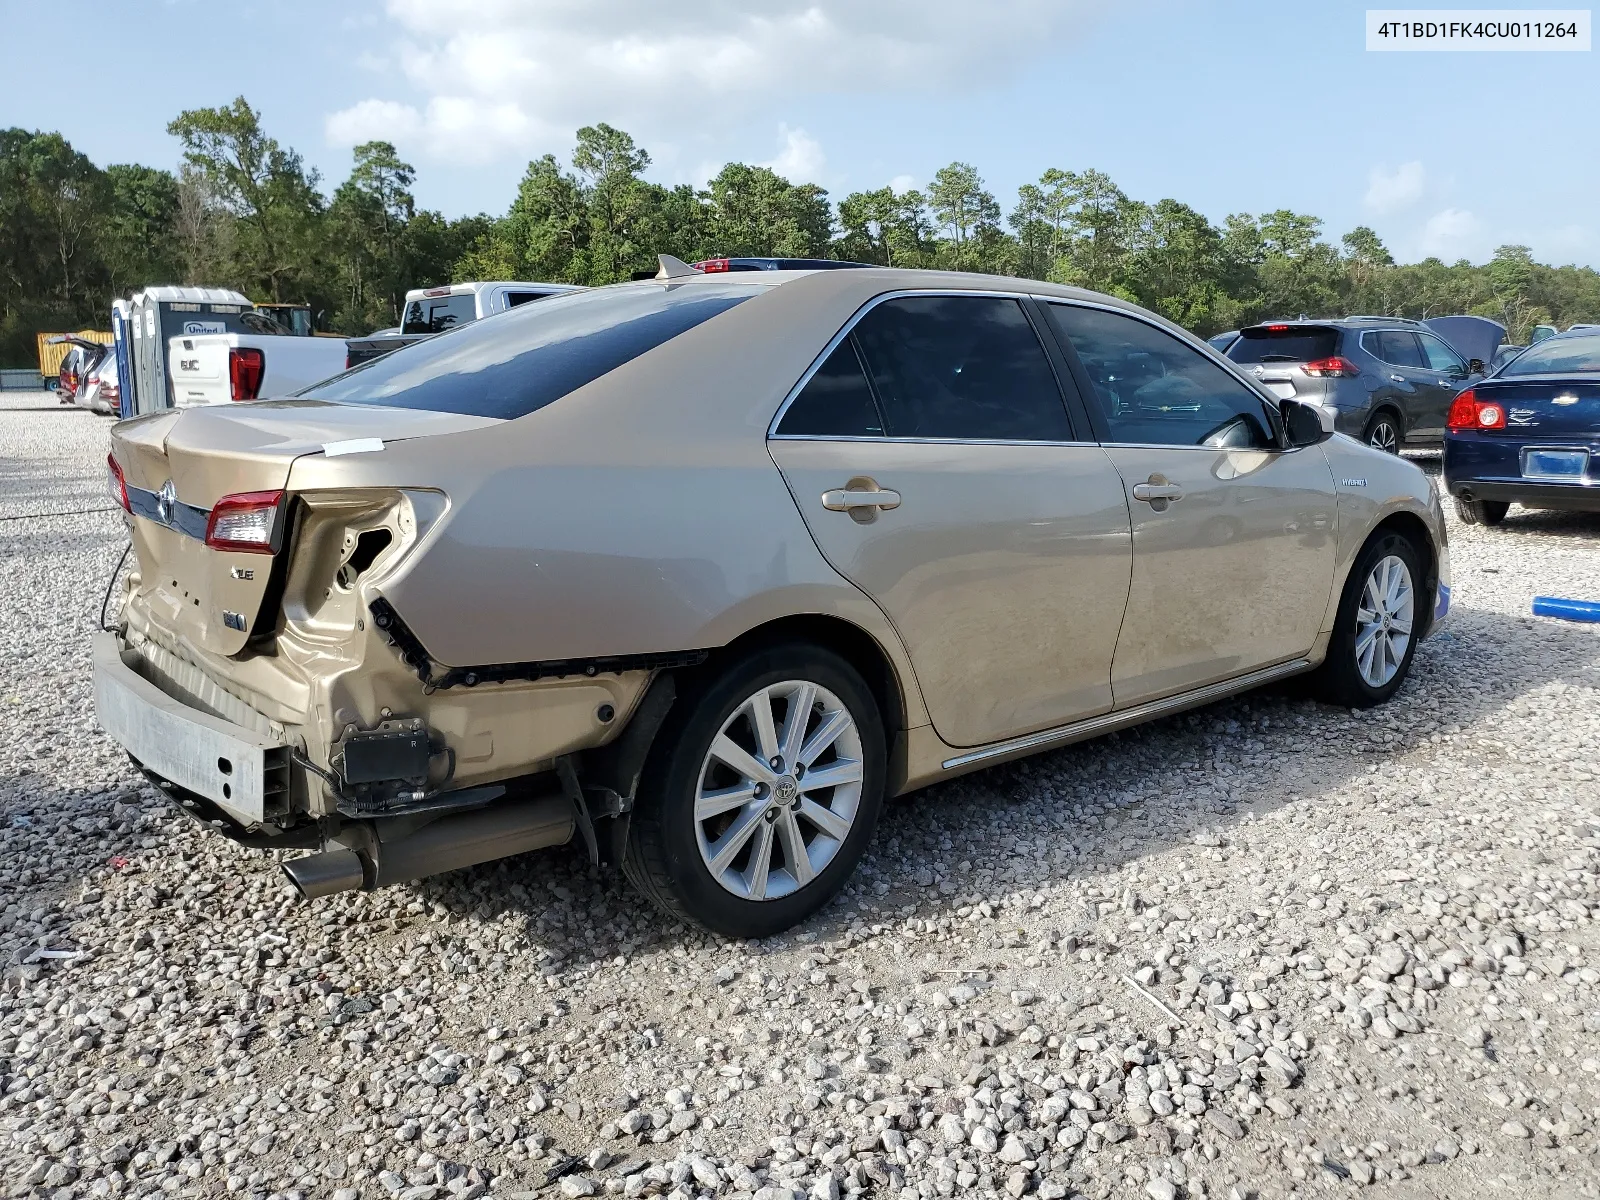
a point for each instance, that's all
(1482, 512)
(1383, 432)
(672, 846)
(1348, 678)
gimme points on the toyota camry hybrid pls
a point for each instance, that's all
(695, 571)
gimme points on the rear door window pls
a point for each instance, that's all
(837, 401)
(1284, 344)
(1397, 347)
(517, 299)
(966, 368)
(435, 314)
(516, 362)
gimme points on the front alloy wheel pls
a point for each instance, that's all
(760, 792)
(1383, 621)
(1375, 632)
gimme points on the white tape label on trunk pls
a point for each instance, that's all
(353, 446)
(1476, 29)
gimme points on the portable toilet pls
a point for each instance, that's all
(121, 334)
(158, 314)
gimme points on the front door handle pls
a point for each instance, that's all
(862, 498)
(1157, 491)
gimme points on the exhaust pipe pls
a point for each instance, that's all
(448, 844)
(317, 875)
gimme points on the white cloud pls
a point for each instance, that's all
(1389, 191)
(801, 160)
(506, 74)
(372, 120)
(1452, 233)
(901, 184)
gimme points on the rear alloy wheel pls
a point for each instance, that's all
(761, 793)
(1482, 512)
(1383, 433)
(1375, 634)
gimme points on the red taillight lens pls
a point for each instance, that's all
(245, 521)
(245, 365)
(349, 360)
(1469, 412)
(1332, 367)
(117, 485)
(713, 264)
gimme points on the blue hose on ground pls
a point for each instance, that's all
(1566, 610)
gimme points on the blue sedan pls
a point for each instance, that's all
(1529, 433)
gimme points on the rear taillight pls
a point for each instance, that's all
(245, 365)
(1469, 412)
(245, 521)
(713, 264)
(349, 360)
(110, 390)
(1332, 367)
(117, 485)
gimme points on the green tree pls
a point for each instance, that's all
(609, 164)
(968, 213)
(264, 186)
(755, 211)
(138, 234)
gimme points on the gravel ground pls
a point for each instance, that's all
(1268, 948)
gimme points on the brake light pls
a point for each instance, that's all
(438, 291)
(713, 264)
(245, 521)
(1468, 412)
(1332, 367)
(117, 484)
(1277, 328)
(245, 367)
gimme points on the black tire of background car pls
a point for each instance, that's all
(1482, 512)
(663, 859)
(1384, 417)
(1338, 680)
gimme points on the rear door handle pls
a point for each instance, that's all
(1397, 378)
(1151, 492)
(862, 498)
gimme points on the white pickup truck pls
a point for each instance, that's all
(433, 310)
(216, 368)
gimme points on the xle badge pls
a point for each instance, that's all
(242, 572)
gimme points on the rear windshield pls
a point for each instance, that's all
(1292, 344)
(435, 314)
(1557, 356)
(518, 361)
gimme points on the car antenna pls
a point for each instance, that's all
(674, 268)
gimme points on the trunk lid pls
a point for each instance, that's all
(1276, 355)
(217, 598)
(1545, 407)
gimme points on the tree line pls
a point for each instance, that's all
(244, 211)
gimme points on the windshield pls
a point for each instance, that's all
(518, 361)
(1557, 356)
(1283, 344)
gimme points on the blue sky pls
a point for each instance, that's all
(1231, 106)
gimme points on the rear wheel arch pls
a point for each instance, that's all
(1386, 408)
(846, 639)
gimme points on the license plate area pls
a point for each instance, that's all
(1560, 463)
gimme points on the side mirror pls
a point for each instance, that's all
(1305, 424)
(1475, 367)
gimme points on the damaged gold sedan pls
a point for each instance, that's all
(697, 570)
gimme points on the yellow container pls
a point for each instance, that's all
(50, 356)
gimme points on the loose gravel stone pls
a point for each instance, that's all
(1263, 941)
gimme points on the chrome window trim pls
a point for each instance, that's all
(854, 320)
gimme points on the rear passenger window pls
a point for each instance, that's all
(836, 401)
(1398, 348)
(966, 368)
(1153, 390)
